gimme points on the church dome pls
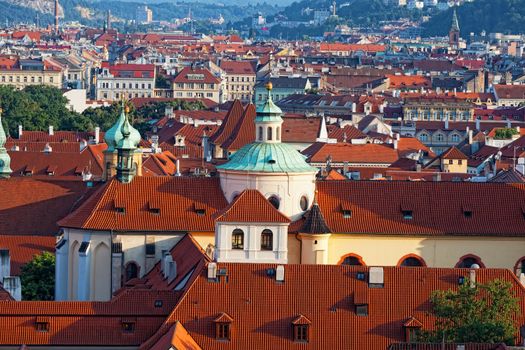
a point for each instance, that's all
(114, 135)
(268, 158)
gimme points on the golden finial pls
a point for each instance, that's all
(269, 86)
(127, 109)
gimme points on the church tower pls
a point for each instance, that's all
(5, 160)
(275, 169)
(126, 150)
(453, 34)
(113, 137)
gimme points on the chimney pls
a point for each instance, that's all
(279, 273)
(418, 168)
(472, 276)
(477, 125)
(376, 277)
(518, 129)
(167, 260)
(437, 177)
(395, 143)
(178, 168)
(13, 286)
(20, 131)
(172, 271)
(212, 271)
(5, 264)
(48, 148)
(446, 123)
(470, 137)
(354, 107)
(97, 135)
(509, 124)
(168, 111)
(51, 130)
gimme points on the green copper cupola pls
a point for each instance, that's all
(5, 160)
(114, 134)
(268, 121)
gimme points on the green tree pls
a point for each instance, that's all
(478, 313)
(38, 278)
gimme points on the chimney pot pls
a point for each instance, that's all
(51, 131)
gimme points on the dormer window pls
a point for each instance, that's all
(301, 329)
(467, 212)
(347, 214)
(407, 214)
(200, 209)
(223, 327)
(120, 210)
(361, 302)
(128, 325)
(42, 324)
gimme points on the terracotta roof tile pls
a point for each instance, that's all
(251, 206)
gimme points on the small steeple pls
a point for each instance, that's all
(455, 22)
(114, 134)
(5, 160)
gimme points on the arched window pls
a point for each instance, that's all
(352, 260)
(411, 260)
(467, 261)
(304, 203)
(520, 267)
(237, 239)
(260, 133)
(267, 240)
(269, 134)
(132, 271)
(274, 201)
(278, 134)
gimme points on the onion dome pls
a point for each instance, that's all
(114, 134)
(130, 136)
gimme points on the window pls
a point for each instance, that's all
(439, 137)
(42, 326)
(223, 331)
(455, 138)
(269, 136)
(423, 137)
(237, 239)
(274, 201)
(407, 214)
(267, 240)
(347, 214)
(450, 161)
(352, 261)
(260, 133)
(361, 310)
(128, 327)
(132, 271)
(520, 267)
(460, 162)
(304, 203)
(469, 260)
(411, 261)
(301, 333)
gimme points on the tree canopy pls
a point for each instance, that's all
(38, 278)
(475, 313)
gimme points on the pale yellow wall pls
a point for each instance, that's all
(437, 252)
(23, 78)
(455, 167)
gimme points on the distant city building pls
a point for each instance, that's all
(193, 82)
(24, 72)
(144, 15)
(115, 82)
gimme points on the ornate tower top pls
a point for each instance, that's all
(455, 22)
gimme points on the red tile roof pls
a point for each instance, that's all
(244, 132)
(187, 75)
(251, 206)
(345, 152)
(238, 67)
(185, 204)
(377, 207)
(510, 91)
(263, 311)
(33, 207)
(229, 124)
(453, 153)
(23, 248)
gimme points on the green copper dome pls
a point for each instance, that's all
(269, 112)
(130, 136)
(5, 160)
(268, 157)
(114, 134)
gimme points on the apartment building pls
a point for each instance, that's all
(125, 81)
(24, 72)
(194, 82)
(240, 79)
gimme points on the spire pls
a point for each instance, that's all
(455, 22)
(315, 223)
(323, 131)
(126, 164)
(5, 160)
